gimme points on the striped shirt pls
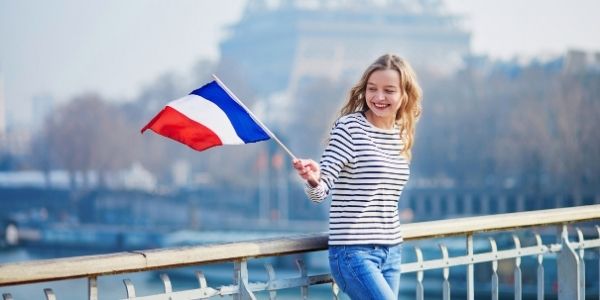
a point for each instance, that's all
(365, 173)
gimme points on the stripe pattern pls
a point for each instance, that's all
(364, 172)
(205, 118)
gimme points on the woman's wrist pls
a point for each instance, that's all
(313, 182)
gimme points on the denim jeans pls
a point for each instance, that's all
(367, 271)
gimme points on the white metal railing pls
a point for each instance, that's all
(570, 259)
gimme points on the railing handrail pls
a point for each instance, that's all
(144, 260)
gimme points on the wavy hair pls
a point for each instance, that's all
(410, 109)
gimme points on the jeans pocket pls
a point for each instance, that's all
(334, 252)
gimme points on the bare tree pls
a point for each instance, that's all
(87, 134)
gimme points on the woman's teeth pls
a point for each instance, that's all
(380, 105)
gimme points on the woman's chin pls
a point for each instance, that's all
(382, 113)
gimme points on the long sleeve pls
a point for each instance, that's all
(338, 154)
(363, 170)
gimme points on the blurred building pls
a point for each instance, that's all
(135, 178)
(579, 60)
(279, 45)
(13, 139)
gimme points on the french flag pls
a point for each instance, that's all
(205, 118)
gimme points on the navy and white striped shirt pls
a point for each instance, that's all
(365, 173)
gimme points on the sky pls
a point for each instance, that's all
(57, 49)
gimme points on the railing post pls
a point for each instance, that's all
(303, 275)
(241, 280)
(49, 294)
(494, 269)
(540, 269)
(129, 288)
(167, 286)
(202, 283)
(271, 275)
(419, 289)
(446, 273)
(7, 296)
(581, 264)
(335, 289)
(93, 288)
(470, 269)
(517, 271)
(568, 270)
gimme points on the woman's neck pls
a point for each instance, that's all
(379, 122)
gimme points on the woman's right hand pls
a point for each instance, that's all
(309, 170)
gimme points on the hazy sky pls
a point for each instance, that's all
(62, 48)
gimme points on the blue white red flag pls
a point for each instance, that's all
(205, 118)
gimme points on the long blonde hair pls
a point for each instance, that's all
(410, 109)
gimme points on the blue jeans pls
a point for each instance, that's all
(367, 271)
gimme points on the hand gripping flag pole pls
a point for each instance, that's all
(271, 134)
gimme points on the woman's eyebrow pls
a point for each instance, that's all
(386, 86)
(389, 85)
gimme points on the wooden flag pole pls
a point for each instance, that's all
(234, 97)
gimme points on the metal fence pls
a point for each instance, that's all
(568, 254)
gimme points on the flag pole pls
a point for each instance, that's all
(271, 134)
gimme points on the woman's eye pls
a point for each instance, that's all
(390, 91)
(371, 89)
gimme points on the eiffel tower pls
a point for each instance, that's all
(278, 45)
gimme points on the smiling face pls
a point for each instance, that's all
(389, 94)
(383, 96)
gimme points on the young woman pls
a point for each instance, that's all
(365, 167)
